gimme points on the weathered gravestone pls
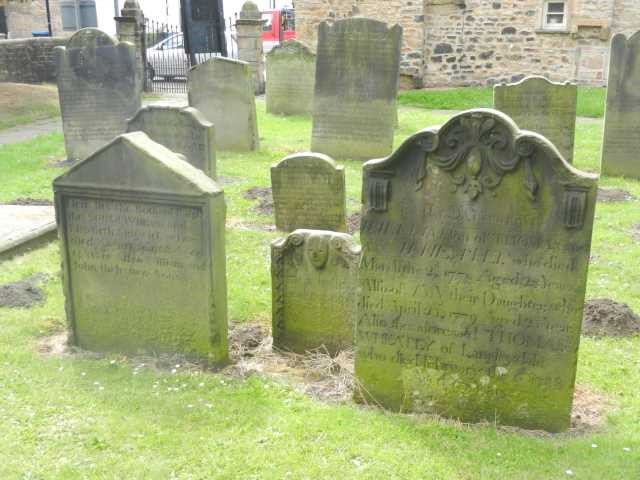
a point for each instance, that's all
(98, 90)
(222, 89)
(357, 73)
(181, 130)
(476, 243)
(309, 192)
(543, 107)
(621, 145)
(143, 252)
(314, 280)
(291, 70)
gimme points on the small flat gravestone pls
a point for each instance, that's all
(181, 130)
(142, 235)
(309, 192)
(314, 282)
(222, 89)
(475, 240)
(291, 70)
(98, 90)
(357, 74)
(621, 145)
(543, 107)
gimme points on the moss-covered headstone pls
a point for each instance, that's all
(476, 240)
(98, 90)
(181, 130)
(142, 240)
(314, 282)
(542, 106)
(357, 73)
(621, 145)
(222, 89)
(291, 70)
(309, 192)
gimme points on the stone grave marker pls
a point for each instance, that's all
(475, 241)
(309, 192)
(181, 130)
(222, 89)
(542, 106)
(98, 90)
(291, 70)
(314, 282)
(621, 145)
(357, 74)
(142, 236)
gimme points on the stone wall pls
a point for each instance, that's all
(28, 60)
(27, 16)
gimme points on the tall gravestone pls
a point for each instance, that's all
(181, 130)
(143, 252)
(621, 145)
(476, 240)
(222, 89)
(98, 90)
(291, 70)
(357, 74)
(544, 107)
(314, 281)
(309, 192)
(250, 47)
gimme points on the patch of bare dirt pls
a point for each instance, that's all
(239, 224)
(229, 180)
(353, 223)
(635, 232)
(26, 201)
(23, 294)
(68, 162)
(56, 345)
(610, 195)
(604, 317)
(264, 197)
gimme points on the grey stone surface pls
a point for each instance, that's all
(29, 60)
(142, 235)
(621, 144)
(222, 89)
(357, 72)
(544, 107)
(291, 70)
(98, 90)
(24, 224)
(181, 130)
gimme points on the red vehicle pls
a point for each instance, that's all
(278, 26)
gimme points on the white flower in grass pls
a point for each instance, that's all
(569, 472)
(209, 405)
(83, 374)
(594, 445)
(189, 406)
(498, 454)
(112, 362)
(626, 449)
(201, 384)
(173, 370)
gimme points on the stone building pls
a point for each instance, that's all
(482, 42)
(20, 18)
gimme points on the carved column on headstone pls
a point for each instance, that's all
(249, 34)
(130, 28)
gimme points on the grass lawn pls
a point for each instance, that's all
(21, 103)
(591, 100)
(82, 416)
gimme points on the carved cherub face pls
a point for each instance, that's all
(318, 250)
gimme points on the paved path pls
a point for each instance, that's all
(29, 131)
(22, 225)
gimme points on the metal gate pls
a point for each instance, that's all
(166, 62)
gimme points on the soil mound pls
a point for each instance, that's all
(264, 197)
(609, 195)
(22, 294)
(604, 317)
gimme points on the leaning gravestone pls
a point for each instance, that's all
(476, 240)
(314, 282)
(621, 146)
(357, 74)
(291, 70)
(222, 89)
(543, 107)
(142, 236)
(181, 130)
(309, 192)
(98, 91)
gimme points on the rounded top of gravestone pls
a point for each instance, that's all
(91, 38)
(250, 11)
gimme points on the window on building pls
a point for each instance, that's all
(555, 15)
(78, 14)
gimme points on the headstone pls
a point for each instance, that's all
(222, 89)
(621, 145)
(309, 192)
(203, 23)
(142, 236)
(314, 282)
(543, 107)
(291, 70)
(357, 74)
(181, 130)
(98, 90)
(475, 240)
